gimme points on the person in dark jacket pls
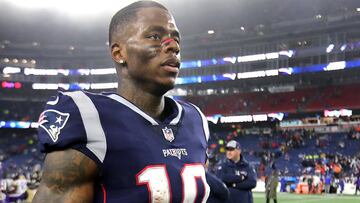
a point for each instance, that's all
(238, 175)
(219, 193)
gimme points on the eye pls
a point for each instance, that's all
(154, 37)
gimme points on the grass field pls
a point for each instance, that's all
(294, 198)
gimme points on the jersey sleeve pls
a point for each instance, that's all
(70, 120)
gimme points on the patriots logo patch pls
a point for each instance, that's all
(52, 121)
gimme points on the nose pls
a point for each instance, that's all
(171, 45)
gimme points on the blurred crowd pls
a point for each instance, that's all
(334, 157)
(20, 165)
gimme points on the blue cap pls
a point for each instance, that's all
(233, 145)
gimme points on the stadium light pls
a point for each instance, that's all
(103, 85)
(260, 117)
(358, 9)
(232, 76)
(272, 72)
(41, 86)
(236, 119)
(18, 124)
(318, 16)
(103, 71)
(65, 72)
(343, 47)
(253, 74)
(84, 71)
(11, 70)
(273, 55)
(210, 32)
(278, 116)
(230, 59)
(288, 53)
(330, 48)
(339, 65)
(12, 124)
(287, 71)
(33, 71)
(256, 57)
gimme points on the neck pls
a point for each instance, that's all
(236, 159)
(151, 104)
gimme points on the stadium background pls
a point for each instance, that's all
(281, 77)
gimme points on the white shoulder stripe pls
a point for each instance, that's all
(205, 123)
(96, 140)
(177, 118)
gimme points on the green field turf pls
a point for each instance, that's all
(294, 198)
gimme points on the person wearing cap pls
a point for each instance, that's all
(237, 174)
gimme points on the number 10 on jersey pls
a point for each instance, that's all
(156, 178)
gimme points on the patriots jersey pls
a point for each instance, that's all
(141, 159)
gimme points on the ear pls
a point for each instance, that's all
(118, 53)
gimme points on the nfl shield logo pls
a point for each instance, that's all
(168, 134)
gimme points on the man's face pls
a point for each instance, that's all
(150, 61)
(233, 154)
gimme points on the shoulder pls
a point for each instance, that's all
(190, 107)
(244, 163)
(192, 110)
(72, 101)
(87, 98)
(61, 111)
(71, 120)
(67, 107)
(80, 104)
(195, 112)
(225, 163)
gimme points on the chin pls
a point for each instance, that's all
(163, 88)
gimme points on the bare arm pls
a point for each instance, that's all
(68, 177)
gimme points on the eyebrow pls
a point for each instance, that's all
(161, 29)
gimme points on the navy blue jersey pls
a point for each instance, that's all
(140, 158)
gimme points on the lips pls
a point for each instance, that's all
(171, 65)
(172, 62)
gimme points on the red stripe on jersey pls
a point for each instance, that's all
(104, 192)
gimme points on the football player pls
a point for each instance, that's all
(135, 145)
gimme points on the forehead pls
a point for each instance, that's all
(155, 16)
